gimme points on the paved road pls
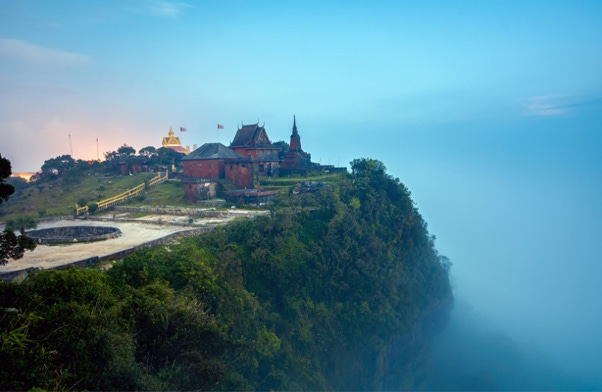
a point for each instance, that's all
(133, 234)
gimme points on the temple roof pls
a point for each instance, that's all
(213, 151)
(171, 140)
(251, 136)
(178, 148)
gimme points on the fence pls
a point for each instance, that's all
(111, 201)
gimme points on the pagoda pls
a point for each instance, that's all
(173, 142)
(295, 160)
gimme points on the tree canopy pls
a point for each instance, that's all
(6, 189)
(148, 151)
(12, 246)
(122, 152)
(54, 167)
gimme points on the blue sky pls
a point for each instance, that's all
(490, 112)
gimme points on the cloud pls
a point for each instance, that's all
(161, 8)
(24, 51)
(545, 106)
(559, 105)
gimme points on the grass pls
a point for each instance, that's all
(58, 199)
(169, 193)
(285, 183)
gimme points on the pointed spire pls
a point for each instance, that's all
(295, 125)
(295, 144)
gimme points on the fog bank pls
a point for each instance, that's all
(475, 355)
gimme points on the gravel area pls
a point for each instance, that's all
(133, 234)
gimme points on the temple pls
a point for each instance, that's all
(237, 171)
(173, 142)
(295, 159)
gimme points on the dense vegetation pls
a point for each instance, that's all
(339, 289)
(12, 246)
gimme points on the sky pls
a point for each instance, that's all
(490, 112)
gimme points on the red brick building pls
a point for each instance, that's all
(252, 141)
(208, 164)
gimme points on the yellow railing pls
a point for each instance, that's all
(111, 201)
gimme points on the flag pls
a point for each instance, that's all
(220, 126)
(182, 129)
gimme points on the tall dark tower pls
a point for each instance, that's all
(295, 138)
(295, 160)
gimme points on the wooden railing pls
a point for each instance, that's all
(111, 201)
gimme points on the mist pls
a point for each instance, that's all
(474, 355)
(516, 209)
(515, 205)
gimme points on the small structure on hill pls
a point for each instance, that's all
(130, 164)
(296, 160)
(205, 166)
(173, 142)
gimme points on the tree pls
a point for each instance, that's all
(167, 156)
(126, 151)
(58, 166)
(122, 152)
(11, 245)
(284, 146)
(21, 223)
(5, 171)
(148, 152)
(18, 183)
(110, 155)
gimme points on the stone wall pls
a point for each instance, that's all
(68, 234)
(172, 211)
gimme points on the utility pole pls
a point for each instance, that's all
(70, 145)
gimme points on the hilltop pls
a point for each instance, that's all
(337, 289)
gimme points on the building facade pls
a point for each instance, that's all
(210, 163)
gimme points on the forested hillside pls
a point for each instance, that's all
(341, 289)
